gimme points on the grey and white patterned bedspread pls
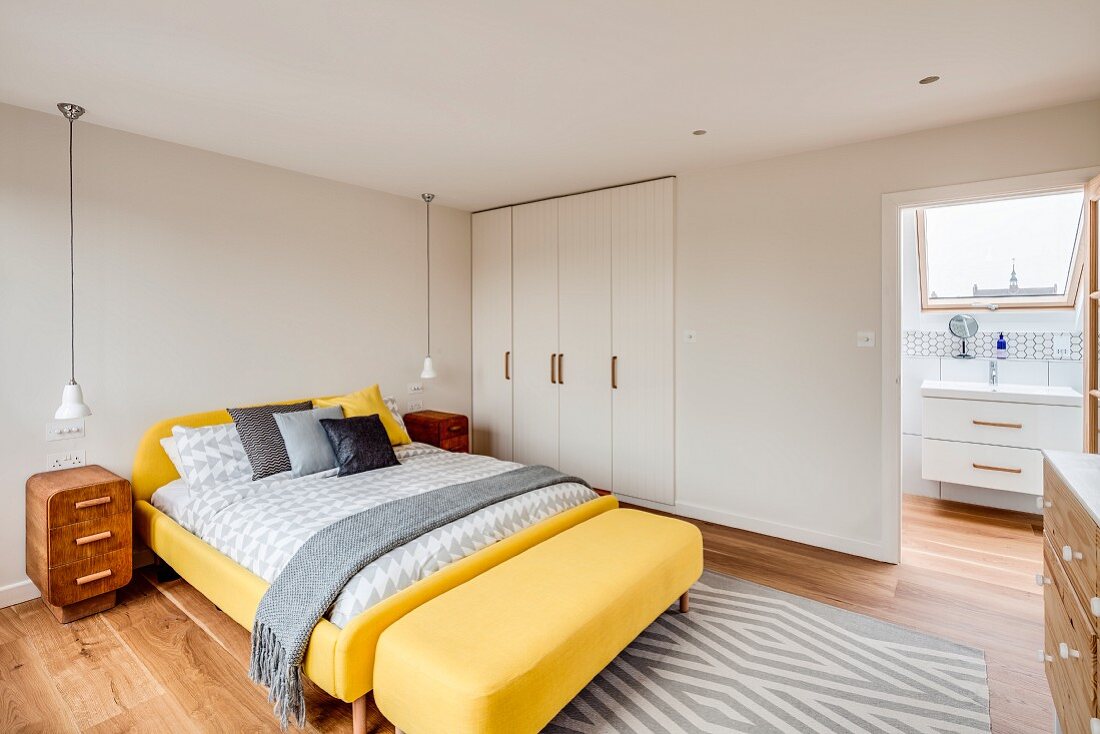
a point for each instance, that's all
(261, 524)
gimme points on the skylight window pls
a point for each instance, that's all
(1019, 252)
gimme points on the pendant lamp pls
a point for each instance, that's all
(429, 370)
(72, 397)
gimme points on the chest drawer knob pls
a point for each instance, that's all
(1041, 580)
(1044, 658)
(1068, 554)
(1066, 652)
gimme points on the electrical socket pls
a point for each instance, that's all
(415, 388)
(65, 430)
(415, 405)
(65, 460)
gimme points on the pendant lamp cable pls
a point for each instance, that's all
(72, 267)
(428, 258)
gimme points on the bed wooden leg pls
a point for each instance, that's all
(359, 715)
(684, 602)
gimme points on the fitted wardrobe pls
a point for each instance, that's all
(573, 349)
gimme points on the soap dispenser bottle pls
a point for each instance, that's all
(1002, 347)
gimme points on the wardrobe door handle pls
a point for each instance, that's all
(561, 369)
(614, 373)
(507, 366)
(553, 369)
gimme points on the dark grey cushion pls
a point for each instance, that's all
(261, 438)
(306, 442)
(360, 444)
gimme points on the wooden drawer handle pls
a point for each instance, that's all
(995, 424)
(93, 577)
(93, 538)
(1005, 469)
(92, 503)
(455, 428)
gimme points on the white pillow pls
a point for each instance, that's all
(211, 455)
(168, 443)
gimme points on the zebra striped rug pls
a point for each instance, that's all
(752, 659)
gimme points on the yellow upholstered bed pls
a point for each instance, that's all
(340, 661)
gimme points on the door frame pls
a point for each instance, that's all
(892, 204)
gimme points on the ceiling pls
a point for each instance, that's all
(491, 102)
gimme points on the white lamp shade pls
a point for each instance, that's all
(72, 403)
(429, 371)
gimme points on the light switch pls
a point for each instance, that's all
(415, 388)
(65, 430)
(865, 338)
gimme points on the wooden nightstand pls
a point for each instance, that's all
(448, 431)
(79, 538)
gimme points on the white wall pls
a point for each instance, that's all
(203, 281)
(778, 266)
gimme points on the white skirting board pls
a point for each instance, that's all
(18, 593)
(851, 546)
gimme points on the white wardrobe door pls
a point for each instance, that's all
(584, 336)
(535, 332)
(491, 429)
(642, 235)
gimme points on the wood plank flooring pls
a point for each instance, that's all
(165, 659)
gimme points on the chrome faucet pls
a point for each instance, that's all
(993, 372)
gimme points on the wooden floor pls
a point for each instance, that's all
(166, 659)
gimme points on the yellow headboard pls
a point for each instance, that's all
(152, 467)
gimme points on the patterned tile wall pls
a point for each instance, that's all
(1021, 344)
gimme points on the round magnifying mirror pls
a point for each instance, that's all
(964, 326)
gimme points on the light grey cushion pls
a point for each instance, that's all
(307, 444)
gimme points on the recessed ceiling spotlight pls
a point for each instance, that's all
(698, 132)
(929, 80)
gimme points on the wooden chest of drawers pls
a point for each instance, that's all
(79, 539)
(448, 431)
(1071, 602)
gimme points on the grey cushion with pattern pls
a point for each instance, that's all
(261, 438)
(211, 455)
(306, 442)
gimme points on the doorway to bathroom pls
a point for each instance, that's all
(985, 307)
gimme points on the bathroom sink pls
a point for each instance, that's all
(1003, 393)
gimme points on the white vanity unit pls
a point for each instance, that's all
(993, 435)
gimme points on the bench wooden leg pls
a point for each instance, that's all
(359, 715)
(684, 602)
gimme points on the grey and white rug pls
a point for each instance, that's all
(752, 659)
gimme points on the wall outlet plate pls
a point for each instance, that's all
(415, 405)
(65, 430)
(65, 460)
(1061, 345)
(415, 388)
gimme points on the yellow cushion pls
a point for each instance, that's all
(367, 402)
(507, 650)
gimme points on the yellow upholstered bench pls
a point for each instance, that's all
(507, 650)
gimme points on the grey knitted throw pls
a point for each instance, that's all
(310, 582)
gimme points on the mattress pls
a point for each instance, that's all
(261, 524)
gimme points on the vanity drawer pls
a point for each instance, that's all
(1003, 424)
(1070, 531)
(1071, 644)
(980, 465)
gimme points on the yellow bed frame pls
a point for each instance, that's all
(340, 661)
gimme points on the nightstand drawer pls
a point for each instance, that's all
(460, 445)
(88, 503)
(89, 577)
(71, 543)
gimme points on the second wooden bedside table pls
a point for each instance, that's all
(448, 431)
(79, 539)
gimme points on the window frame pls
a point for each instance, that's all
(1054, 302)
